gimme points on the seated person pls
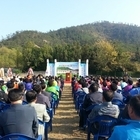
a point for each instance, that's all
(3, 95)
(21, 87)
(131, 131)
(41, 99)
(31, 97)
(126, 90)
(135, 90)
(77, 85)
(85, 87)
(3, 87)
(124, 114)
(105, 108)
(18, 118)
(123, 83)
(51, 88)
(104, 85)
(116, 95)
(10, 85)
(94, 97)
(48, 94)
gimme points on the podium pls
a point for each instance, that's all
(68, 76)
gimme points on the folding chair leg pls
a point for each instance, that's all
(46, 131)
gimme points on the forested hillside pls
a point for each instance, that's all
(110, 47)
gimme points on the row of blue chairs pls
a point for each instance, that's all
(105, 123)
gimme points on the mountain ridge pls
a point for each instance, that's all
(129, 35)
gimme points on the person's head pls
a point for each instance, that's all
(124, 79)
(84, 85)
(138, 83)
(104, 84)
(93, 87)
(37, 88)
(1, 83)
(10, 85)
(108, 79)
(31, 96)
(15, 96)
(134, 108)
(21, 87)
(115, 81)
(130, 81)
(43, 86)
(107, 95)
(113, 87)
(50, 83)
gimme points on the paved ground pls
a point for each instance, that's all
(65, 122)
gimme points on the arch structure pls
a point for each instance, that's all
(60, 68)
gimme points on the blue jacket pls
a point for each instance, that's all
(134, 91)
(131, 131)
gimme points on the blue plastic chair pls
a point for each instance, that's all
(24, 102)
(87, 112)
(49, 124)
(46, 130)
(79, 100)
(106, 124)
(120, 103)
(17, 136)
(77, 93)
(56, 99)
(2, 104)
(45, 124)
(4, 107)
(53, 105)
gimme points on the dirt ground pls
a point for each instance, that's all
(65, 121)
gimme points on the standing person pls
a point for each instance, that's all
(9, 73)
(18, 118)
(2, 73)
(30, 72)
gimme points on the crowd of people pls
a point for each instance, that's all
(27, 100)
(38, 92)
(100, 92)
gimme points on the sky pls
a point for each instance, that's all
(46, 15)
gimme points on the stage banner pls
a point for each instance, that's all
(67, 67)
(51, 69)
(83, 69)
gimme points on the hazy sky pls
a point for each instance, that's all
(46, 15)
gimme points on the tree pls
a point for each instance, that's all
(27, 55)
(104, 56)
